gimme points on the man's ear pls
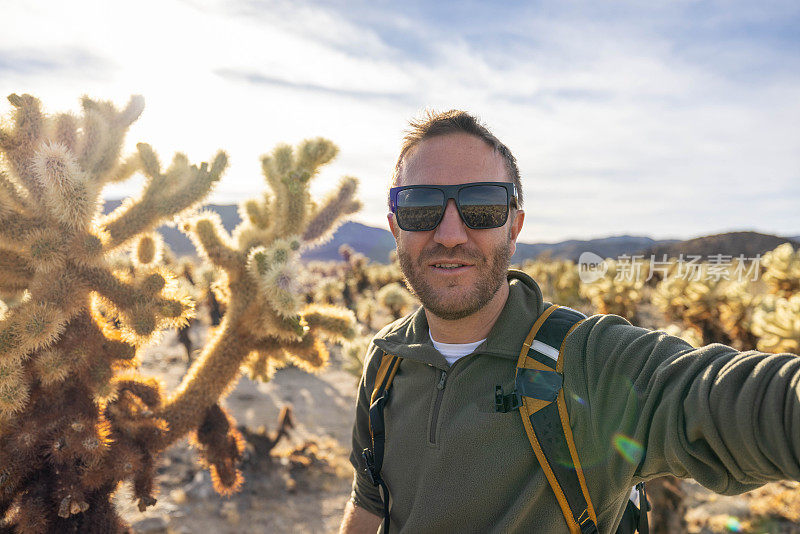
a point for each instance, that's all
(515, 229)
(393, 225)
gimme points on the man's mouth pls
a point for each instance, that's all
(450, 266)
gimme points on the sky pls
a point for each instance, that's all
(671, 119)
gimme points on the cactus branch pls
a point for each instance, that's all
(207, 381)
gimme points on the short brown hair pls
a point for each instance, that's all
(433, 124)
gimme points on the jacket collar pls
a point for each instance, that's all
(409, 338)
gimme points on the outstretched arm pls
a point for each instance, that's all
(654, 405)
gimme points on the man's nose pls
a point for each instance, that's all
(451, 231)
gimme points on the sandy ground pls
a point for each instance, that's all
(306, 493)
(280, 494)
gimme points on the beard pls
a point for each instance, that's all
(491, 274)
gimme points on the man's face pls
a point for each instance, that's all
(483, 255)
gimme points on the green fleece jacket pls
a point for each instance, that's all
(641, 404)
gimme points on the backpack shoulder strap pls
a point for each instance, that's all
(386, 371)
(539, 384)
(373, 457)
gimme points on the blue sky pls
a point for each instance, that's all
(669, 119)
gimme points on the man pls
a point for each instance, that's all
(641, 404)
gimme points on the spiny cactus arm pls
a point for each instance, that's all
(67, 290)
(314, 153)
(65, 131)
(330, 322)
(123, 295)
(308, 353)
(295, 205)
(329, 215)
(293, 200)
(20, 143)
(15, 229)
(220, 446)
(262, 365)
(277, 165)
(14, 388)
(146, 319)
(202, 179)
(257, 212)
(70, 196)
(124, 169)
(104, 130)
(148, 249)
(782, 270)
(27, 327)
(15, 272)
(11, 198)
(141, 302)
(157, 205)
(211, 241)
(46, 250)
(209, 378)
(776, 324)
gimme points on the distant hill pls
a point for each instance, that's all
(607, 247)
(377, 243)
(374, 243)
(731, 243)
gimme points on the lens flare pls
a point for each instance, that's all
(578, 399)
(628, 448)
(733, 524)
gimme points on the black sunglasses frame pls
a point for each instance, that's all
(451, 191)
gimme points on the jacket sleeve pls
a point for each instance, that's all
(654, 405)
(364, 494)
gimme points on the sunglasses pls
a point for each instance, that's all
(481, 205)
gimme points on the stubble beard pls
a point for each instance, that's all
(490, 276)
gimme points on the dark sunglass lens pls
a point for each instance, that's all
(419, 208)
(484, 206)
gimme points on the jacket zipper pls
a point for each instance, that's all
(437, 404)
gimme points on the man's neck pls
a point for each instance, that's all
(471, 328)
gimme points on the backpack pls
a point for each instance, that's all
(539, 397)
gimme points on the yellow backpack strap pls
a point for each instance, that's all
(386, 372)
(539, 388)
(373, 456)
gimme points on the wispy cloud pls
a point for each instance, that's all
(272, 81)
(67, 62)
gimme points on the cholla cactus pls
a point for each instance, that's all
(619, 295)
(396, 299)
(353, 353)
(356, 280)
(718, 310)
(266, 323)
(782, 270)
(75, 418)
(329, 290)
(777, 324)
(380, 275)
(689, 335)
(558, 280)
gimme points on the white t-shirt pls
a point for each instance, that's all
(453, 351)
